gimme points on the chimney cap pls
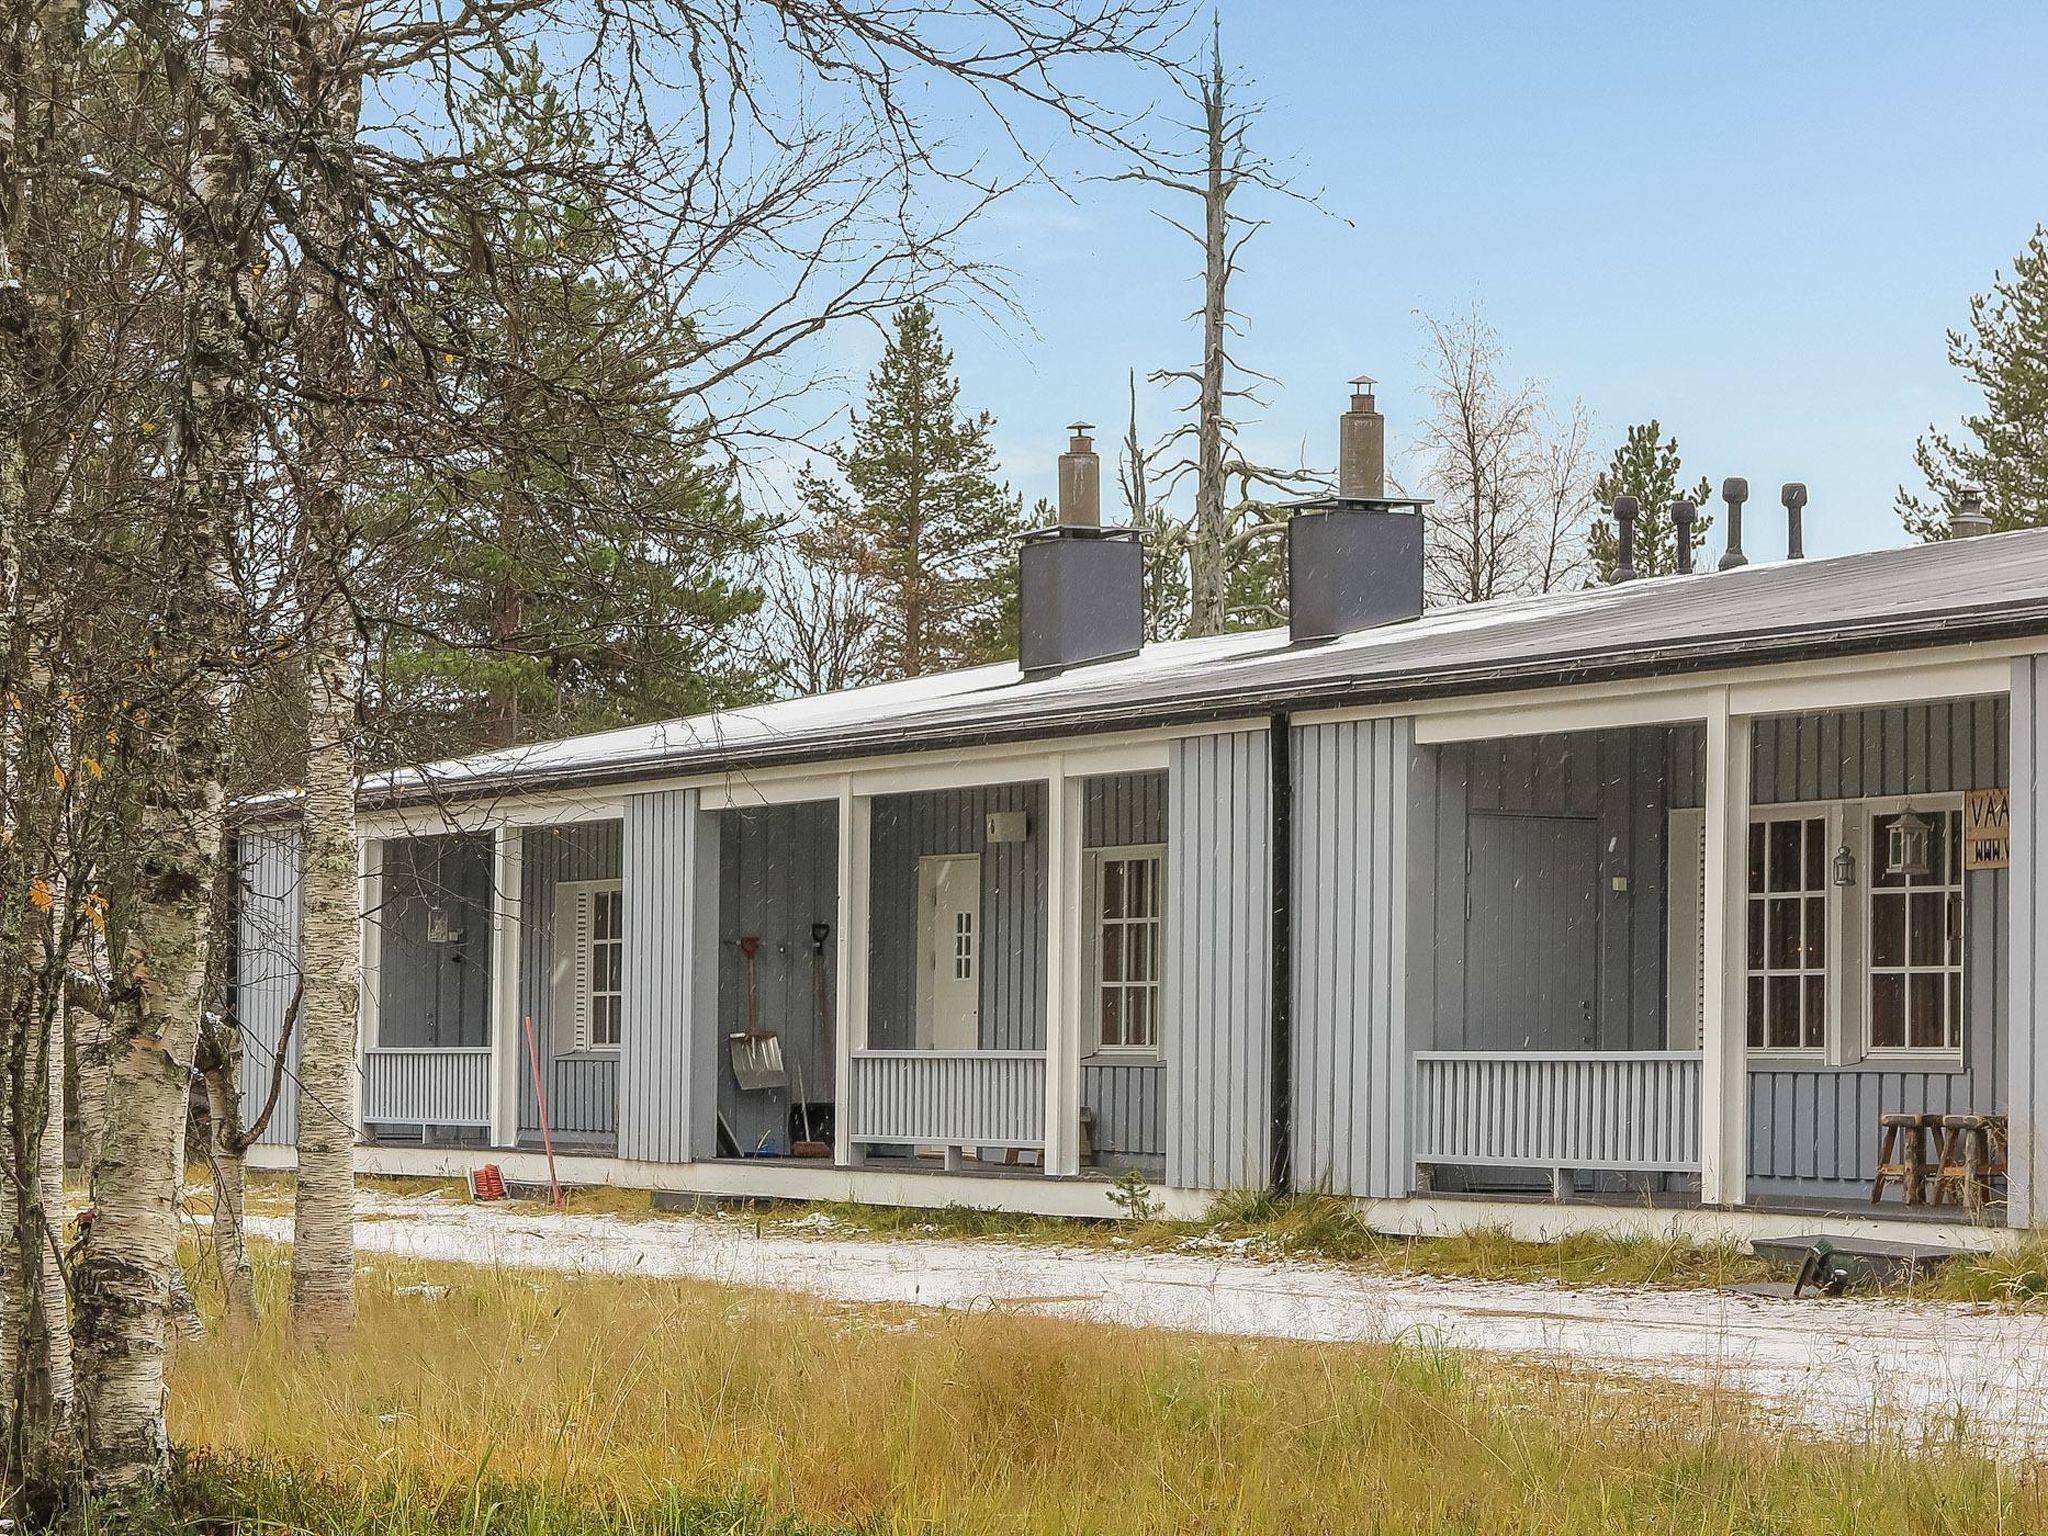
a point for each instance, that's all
(1735, 488)
(1793, 494)
(1969, 517)
(1362, 385)
(1081, 428)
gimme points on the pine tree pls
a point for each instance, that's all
(918, 512)
(1645, 466)
(2005, 354)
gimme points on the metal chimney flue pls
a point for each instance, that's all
(1683, 515)
(1080, 586)
(1734, 491)
(1969, 518)
(1361, 447)
(1793, 495)
(1625, 510)
(1080, 480)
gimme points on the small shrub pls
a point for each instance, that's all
(1132, 1196)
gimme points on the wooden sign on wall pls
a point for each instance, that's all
(1987, 828)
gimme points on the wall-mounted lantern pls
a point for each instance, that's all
(1845, 865)
(1909, 845)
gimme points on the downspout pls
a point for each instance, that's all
(1280, 1129)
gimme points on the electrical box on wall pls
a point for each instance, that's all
(1007, 827)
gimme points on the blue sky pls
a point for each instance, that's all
(1753, 222)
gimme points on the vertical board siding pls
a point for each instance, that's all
(1128, 1101)
(1813, 1131)
(1353, 784)
(1625, 782)
(949, 1098)
(432, 994)
(1127, 1098)
(582, 1089)
(267, 970)
(2027, 1058)
(778, 874)
(667, 935)
(1218, 979)
(906, 828)
(1918, 749)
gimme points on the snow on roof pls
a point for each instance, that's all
(1992, 586)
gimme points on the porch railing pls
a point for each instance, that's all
(1559, 1109)
(427, 1085)
(949, 1098)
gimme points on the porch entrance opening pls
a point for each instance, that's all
(949, 951)
(1535, 930)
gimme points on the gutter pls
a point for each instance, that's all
(1280, 1109)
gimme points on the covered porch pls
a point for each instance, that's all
(1693, 962)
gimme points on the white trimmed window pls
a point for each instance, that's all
(1786, 935)
(1127, 903)
(590, 963)
(1916, 939)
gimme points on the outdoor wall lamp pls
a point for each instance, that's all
(1909, 844)
(1845, 866)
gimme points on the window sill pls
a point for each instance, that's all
(1791, 1058)
(1124, 1056)
(1950, 1062)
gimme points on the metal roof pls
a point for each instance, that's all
(1991, 587)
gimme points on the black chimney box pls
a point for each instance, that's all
(1080, 597)
(1352, 565)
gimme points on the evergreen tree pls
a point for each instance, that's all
(918, 512)
(2005, 354)
(569, 561)
(1645, 466)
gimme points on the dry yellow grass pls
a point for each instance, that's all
(611, 1393)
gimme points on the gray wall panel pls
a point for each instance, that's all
(582, 1088)
(2027, 966)
(1353, 788)
(428, 993)
(267, 970)
(906, 828)
(1129, 1103)
(1918, 749)
(1218, 994)
(778, 874)
(670, 878)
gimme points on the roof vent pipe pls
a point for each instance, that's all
(1625, 534)
(1361, 447)
(1080, 480)
(1969, 518)
(1683, 515)
(1794, 498)
(1734, 491)
(1080, 586)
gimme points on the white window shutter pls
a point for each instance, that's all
(580, 983)
(1685, 941)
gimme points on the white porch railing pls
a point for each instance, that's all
(427, 1085)
(949, 1098)
(1559, 1109)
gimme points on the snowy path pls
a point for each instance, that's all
(1827, 1362)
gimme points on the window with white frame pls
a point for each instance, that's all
(591, 963)
(1128, 901)
(1915, 926)
(1787, 934)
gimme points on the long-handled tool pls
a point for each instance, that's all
(756, 1052)
(540, 1099)
(810, 1146)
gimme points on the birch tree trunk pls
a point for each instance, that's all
(323, 1212)
(126, 1281)
(226, 1160)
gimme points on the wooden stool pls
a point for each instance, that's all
(1973, 1153)
(1912, 1170)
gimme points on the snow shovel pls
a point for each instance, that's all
(756, 1052)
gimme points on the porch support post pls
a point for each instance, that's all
(1062, 972)
(1724, 1082)
(507, 1042)
(850, 962)
(370, 967)
(2026, 1182)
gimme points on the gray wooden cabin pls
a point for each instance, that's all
(1586, 903)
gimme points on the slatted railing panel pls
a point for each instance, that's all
(949, 1098)
(1568, 1109)
(427, 1086)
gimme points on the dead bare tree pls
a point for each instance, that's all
(1204, 448)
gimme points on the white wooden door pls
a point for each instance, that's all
(949, 951)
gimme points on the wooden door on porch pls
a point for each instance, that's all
(1533, 937)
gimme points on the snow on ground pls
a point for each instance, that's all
(1832, 1364)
